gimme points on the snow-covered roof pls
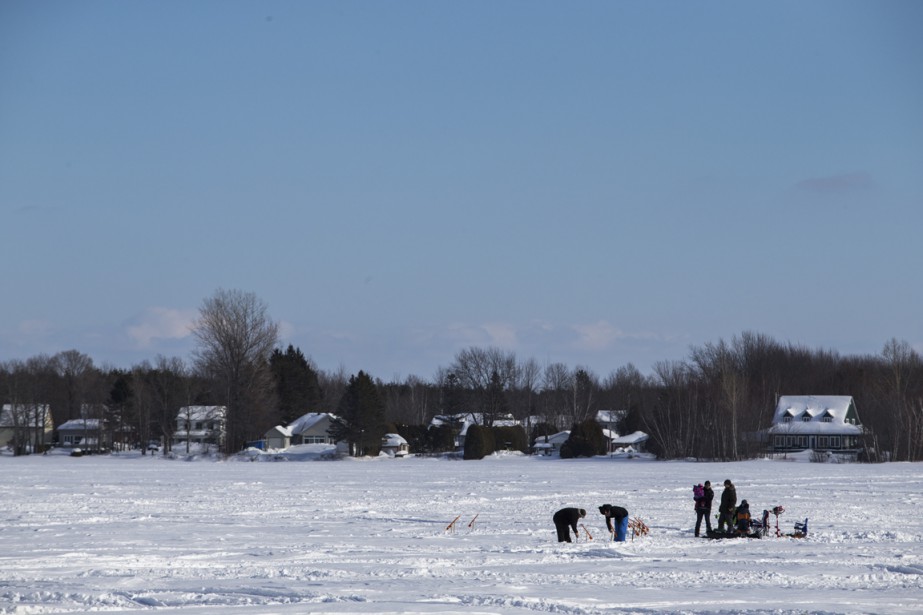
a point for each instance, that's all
(392, 439)
(283, 431)
(201, 413)
(472, 418)
(79, 425)
(307, 421)
(561, 436)
(610, 416)
(631, 439)
(823, 414)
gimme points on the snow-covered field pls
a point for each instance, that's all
(130, 534)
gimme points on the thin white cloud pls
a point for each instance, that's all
(286, 329)
(596, 336)
(35, 327)
(501, 335)
(161, 323)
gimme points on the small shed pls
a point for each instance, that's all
(278, 437)
(394, 445)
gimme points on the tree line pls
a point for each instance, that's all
(712, 405)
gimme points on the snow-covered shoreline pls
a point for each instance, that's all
(124, 534)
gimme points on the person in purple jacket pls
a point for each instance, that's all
(703, 508)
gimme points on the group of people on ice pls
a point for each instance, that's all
(733, 519)
(566, 520)
(736, 518)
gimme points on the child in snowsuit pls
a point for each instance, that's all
(703, 508)
(565, 520)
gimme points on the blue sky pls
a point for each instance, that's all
(592, 183)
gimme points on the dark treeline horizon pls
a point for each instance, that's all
(707, 406)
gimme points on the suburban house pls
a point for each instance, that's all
(86, 434)
(312, 428)
(394, 445)
(817, 422)
(278, 437)
(25, 428)
(631, 443)
(200, 425)
(548, 445)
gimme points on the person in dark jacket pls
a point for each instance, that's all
(742, 518)
(613, 512)
(726, 509)
(565, 520)
(703, 508)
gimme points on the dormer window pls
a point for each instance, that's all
(806, 418)
(828, 417)
(787, 418)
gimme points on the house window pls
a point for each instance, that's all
(822, 442)
(786, 419)
(806, 418)
(827, 419)
(834, 441)
(803, 441)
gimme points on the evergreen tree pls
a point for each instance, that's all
(360, 417)
(119, 407)
(440, 439)
(586, 440)
(477, 442)
(511, 438)
(297, 384)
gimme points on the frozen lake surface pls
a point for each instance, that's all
(132, 534)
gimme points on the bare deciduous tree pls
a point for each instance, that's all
(487, 373)
(235, 338)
